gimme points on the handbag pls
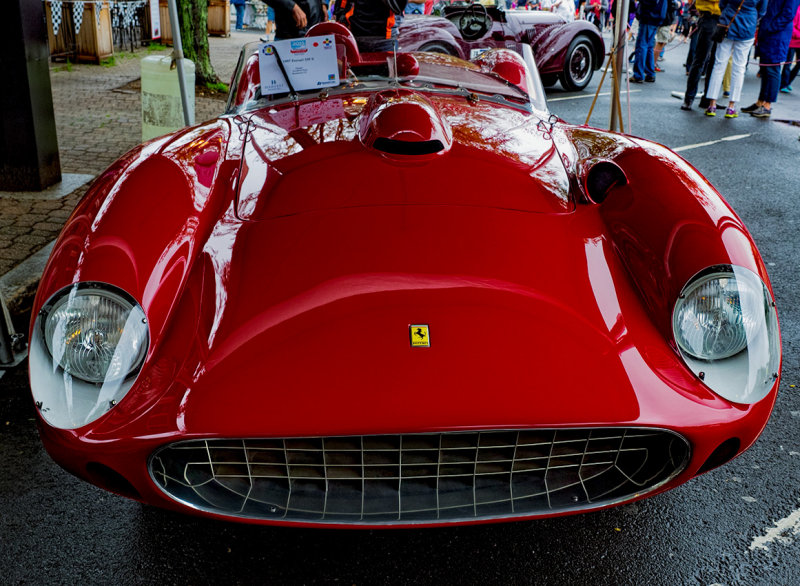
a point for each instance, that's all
(721, 31)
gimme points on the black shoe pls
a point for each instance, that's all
(750, 108)
(650, 79)
(761, 112)
(687, 105)
(704, 103)
(634, 80)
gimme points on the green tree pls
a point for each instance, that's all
(193, 22)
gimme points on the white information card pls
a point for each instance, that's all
(310, 63)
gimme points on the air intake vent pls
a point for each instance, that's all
(404, 147)
(403, 122)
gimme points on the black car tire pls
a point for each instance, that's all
(578, 64)
(443, 48)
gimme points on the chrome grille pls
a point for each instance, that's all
(418, 477)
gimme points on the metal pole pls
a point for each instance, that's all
(29, 158)
(177, 55)
(620, 32)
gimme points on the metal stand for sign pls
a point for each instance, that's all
(177, 55)
(620, 67)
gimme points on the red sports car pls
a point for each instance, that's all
(569, 52)
(411, 297)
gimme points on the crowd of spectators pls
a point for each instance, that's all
(723, 37)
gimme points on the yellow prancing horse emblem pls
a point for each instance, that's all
(420, 336)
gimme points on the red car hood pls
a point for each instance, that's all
(308, 324)
(313, 282)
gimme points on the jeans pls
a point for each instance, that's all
(644, 66)
(239, 16)
(789, 72)
(705, 26)
(770, 80)
(738, 52)
(692, 49)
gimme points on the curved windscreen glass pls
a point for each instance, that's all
(257, 71)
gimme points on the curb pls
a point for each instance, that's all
(18, 286)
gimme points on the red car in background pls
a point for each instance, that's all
(568, 52)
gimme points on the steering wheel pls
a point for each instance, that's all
(474, 22)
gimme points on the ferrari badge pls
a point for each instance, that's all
(420, 336)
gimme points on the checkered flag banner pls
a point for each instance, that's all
(55, 14)
(77, 15)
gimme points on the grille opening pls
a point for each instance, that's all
(724, 453)
(430, 477)
(405, 147)
(111, 480)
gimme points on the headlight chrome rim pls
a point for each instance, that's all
(725, 328)
(64, 399)
(720, 292)
(96, 340)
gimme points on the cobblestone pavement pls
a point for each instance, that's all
(97, 120)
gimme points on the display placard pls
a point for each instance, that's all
(309, 63)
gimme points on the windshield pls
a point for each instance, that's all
(275, 72)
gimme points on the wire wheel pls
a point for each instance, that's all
(578, 65)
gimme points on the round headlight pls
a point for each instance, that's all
(710, 321)
(96, 334)
(726, 329)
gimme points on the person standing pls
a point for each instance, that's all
(774, 34)
(741, 17)
(650, 14)
(565, 9)
(666, 31)
(293, 18)
(708, 12)
(789, 72)
(372, 22)
(239, 6)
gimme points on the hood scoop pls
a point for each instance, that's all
(405, 123)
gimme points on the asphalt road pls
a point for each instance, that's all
(735, 525)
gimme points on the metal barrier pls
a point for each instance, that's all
(13, 348)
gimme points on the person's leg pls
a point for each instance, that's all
(789, 70)
(712, 59)
(692, 49)
(726, 79)
(649, 61)
(723, 54)
(705, 26)
(796, 69)
(787, 67)
(270, 20)
(662, 38)
(239, 16)
(772, 83)
(641, 53)
(656, 52)
(741, 49)
(770, 80)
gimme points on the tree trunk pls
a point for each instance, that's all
(193, 21)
